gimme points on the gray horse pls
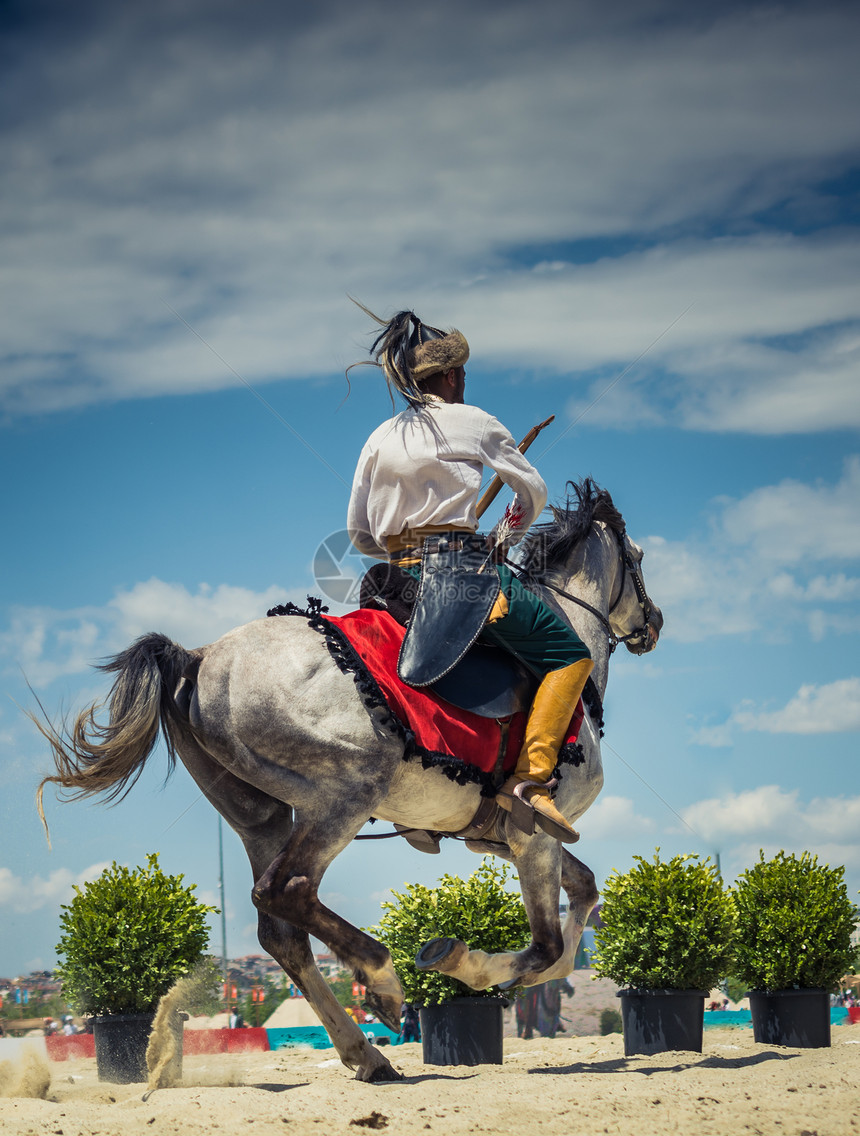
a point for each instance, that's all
(280, 741)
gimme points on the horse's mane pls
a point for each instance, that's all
(548, 546)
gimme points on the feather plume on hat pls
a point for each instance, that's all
(409, 351)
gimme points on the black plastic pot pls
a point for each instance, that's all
(655, 1021)
(121, 1041)
(798, 1018)
(464, 1031)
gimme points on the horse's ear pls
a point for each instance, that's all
(606, 510)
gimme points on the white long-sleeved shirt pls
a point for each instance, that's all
(424, 467)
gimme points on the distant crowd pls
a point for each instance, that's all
(66, 1026)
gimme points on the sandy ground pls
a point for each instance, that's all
(566, 1085)
(580, 1012)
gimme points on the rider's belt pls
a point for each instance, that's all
(412, 540)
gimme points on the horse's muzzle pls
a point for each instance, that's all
(650, 634)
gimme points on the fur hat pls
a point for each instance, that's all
(446, 350)
(409, 351)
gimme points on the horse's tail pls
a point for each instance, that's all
(91, 757)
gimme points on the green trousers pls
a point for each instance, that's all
(532, 631)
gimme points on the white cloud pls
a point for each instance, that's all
(833, 589)
(36, 632)
(26, 895)
(793, 522)
(610, 815)
(380, 897)
(780, 391)
(47, 643)
(193, 618)
(758, 566)
(738, 857)
(250, 172)
(714, 737)
(762, 811)
(771, 818)
(724, 367)
(821, 624)
(738, 825)
(830, 709)
(701, 591)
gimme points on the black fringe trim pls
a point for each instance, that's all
(348, 661)
(313, 613)
(593, 704)
(571, 753)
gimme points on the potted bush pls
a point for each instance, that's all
(794, 944)
(459, 1026)
(127, 937)
(666, 934)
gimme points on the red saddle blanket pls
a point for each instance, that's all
(443, 734)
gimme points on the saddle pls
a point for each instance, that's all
(465, 745)
(486, 680)
(471, 729)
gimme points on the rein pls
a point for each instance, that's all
(645, 603)
(631, 568)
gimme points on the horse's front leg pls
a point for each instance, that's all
(580, 886)
(581, 890)
(538, 862)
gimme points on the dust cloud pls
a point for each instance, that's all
(28, 1075)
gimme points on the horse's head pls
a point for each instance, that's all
(586, 550)
(635, 620)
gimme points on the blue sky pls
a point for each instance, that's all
(644, 219)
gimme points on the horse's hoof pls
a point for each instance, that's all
(444, 955)
(433, 953)
(378, 1074)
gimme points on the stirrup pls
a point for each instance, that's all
(524, 814)
(420, 839)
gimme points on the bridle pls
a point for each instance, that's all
(631, 569)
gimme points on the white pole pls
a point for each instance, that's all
(223, 909)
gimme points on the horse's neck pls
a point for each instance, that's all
(590, 575)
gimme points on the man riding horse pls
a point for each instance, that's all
(413, 503)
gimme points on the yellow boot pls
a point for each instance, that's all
(526, 794)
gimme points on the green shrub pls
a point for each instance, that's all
(127, 937)
(610, 1022)
(665, 926)
(735, 989)
(479, 910)
(794, 924)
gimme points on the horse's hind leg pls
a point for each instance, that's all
(288, 890)
(264, 825)
(291, 948)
